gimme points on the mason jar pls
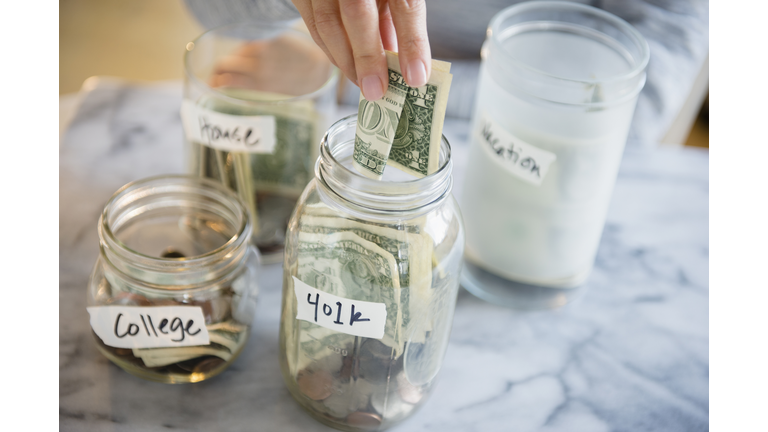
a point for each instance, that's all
(173, 293)
(371, 274)
(558, 86)
(257, 99)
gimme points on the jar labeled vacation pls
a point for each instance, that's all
(558, 86)
(371, 274)
(173, 293)
(257, 99)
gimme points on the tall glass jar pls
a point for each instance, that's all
(558, 86)
(257, 99)
(173, 293)
(371, 275)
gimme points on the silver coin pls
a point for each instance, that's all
(377, 361)
(389, 405)
(408, 392)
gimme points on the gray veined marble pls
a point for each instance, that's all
(631, 354)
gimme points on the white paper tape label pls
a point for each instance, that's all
(248, 134)
(521, 159)
(355, 317)
(149, 327)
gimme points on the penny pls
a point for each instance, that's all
(208, 364)
(165, 302)
(364, 420)
(123, 351)
(315, 385)
(128, 299)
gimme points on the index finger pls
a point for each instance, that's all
(410, 19)
(361, 20)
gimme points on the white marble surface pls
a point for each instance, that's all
(631, 354)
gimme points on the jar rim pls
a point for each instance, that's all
(622, 87)
(110, 240)
(413, 196)
(247, 25)
(495, 31)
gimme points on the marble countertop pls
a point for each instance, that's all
(630, 354)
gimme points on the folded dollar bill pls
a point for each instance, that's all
(405, 126)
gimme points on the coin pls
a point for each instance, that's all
(315, 385)
(128, 299)
(389, 405)
(376, 360)
(208, 364)
(337, 405)
(216, 309)
(172, 253)
(407, 391)
(364, 420)
(123, 351)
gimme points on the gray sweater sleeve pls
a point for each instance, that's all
(215, 13)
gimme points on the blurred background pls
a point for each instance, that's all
(145, 39)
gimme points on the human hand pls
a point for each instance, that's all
(286, 65)
(355, 33)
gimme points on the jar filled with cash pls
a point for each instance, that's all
(257, 99)
(173, 293)
(371, 275)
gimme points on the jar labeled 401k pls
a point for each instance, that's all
(371, 274)
(173, 293)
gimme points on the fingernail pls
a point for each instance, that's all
(372, 88)
(416, 75)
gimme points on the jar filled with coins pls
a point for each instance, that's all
(371, 274)
(173, 292)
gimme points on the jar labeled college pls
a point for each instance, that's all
(173, 293)
(371, 275)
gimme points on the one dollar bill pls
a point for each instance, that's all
(377, 122)
(404, 128)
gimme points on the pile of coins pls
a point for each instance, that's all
(363, 388)
(183, 364)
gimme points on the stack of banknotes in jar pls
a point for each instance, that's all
(369, 292)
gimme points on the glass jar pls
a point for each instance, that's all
(257, 99)
(558, 86)
(370, 281)
(173, 293)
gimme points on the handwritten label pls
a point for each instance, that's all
(149, 327)
(521, 159)
(355, 317)
(248, 134)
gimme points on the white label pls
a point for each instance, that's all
(149, 327)
(355, 317)
(248, 134)
(518, 157)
